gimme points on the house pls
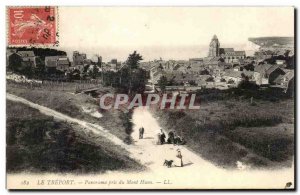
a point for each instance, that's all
(114, 65)
(211, 60)
(218, 71)
(193, 68)
(79, 58)
(196, 60)
(60, 63)
(184, 78)
(87, 62)
(179, 67)
(268, 73)
(51, 62)
(286, 82)
(235, 77)
(63, 64)
(28, 58)
(263, 54)
(27, 55)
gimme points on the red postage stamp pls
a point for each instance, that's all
(32, 25)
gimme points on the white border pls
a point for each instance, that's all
(295, 3)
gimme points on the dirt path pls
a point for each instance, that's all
(156, 154)
(196, 173)
(145, 150)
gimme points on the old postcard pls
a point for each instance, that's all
(150, 98)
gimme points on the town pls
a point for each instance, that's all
(272, 65)
(238, 110)
(224, 68)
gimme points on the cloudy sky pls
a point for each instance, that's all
(167, 32)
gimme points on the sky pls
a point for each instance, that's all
(167, 32)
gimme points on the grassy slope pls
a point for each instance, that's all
(71, 105)
(38, 143)
(260, 134)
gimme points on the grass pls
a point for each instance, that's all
(38, 143)
(71, 105)
(240, 93)
(225, 131)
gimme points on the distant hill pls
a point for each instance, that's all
(273, 42)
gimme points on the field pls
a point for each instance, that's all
(260, 134)
(38, 143)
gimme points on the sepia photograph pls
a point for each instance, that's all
(150, 98)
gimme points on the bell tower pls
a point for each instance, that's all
(214, 47)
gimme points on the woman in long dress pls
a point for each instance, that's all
(179, 161)
(158, 142)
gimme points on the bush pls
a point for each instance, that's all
(210, 79)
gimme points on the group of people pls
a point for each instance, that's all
(172, 138)
(161, 139)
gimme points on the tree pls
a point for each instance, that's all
(85, 68)
(132, 62)
(193, 83)
(249, 67)
(75, 75)
(230, 81)
(162, 83)
(160, 66)
(40, 68)
(95, 71)
(210, 79)
(245, 77)
(204, 72)
(246, 84)
(15, 62)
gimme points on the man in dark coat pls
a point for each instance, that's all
(141, 131)
(162, 137)
(171, 136)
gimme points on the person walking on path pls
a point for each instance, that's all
(141, 131)
(162, 137)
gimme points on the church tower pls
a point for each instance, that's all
(214, 47)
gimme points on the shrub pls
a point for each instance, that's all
(210, 79)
